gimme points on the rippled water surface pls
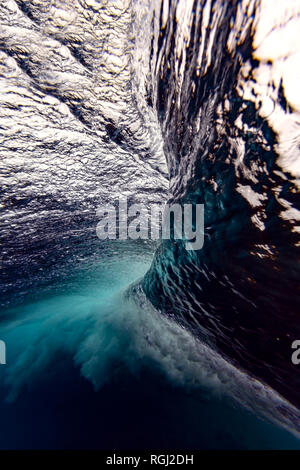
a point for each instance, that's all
(116, 344)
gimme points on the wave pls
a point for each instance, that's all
(221, 82)
(106, 332)
(195, 101)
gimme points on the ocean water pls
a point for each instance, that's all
(86, 368)
(141, 344)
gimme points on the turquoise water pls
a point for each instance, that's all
(88, 369)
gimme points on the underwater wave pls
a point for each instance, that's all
(190, 101)
(224, 89)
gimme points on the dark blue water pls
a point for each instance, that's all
(77, 377)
